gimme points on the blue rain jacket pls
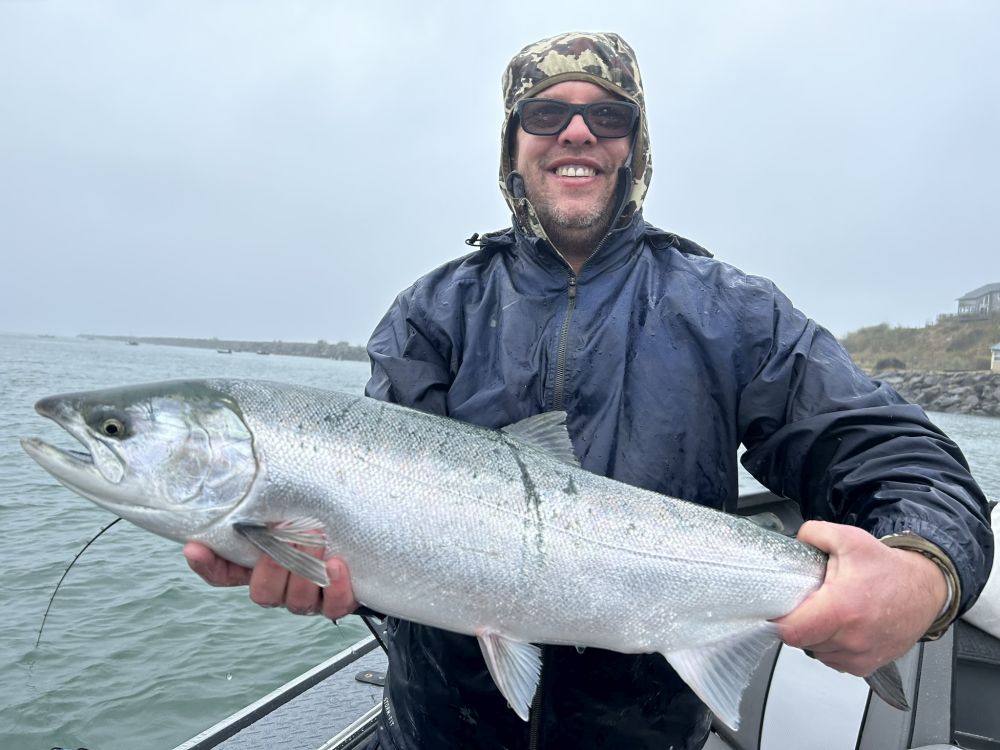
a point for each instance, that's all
(666, 361)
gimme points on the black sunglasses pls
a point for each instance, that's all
(551, 116)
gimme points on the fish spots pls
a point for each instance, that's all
(338, 417)
(444, 447)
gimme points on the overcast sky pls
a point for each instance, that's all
(281, 170)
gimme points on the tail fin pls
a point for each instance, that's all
(888, 685)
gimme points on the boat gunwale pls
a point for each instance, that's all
(250, 714)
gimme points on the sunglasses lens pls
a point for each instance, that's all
(544, 116)
(604, 119)
(610, 119)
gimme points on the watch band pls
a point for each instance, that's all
(914, 542)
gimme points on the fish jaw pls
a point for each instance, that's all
(172, 458)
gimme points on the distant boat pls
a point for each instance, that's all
(261, 351)
(133, 342)
(224, 351)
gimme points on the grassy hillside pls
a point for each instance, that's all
(949, 344)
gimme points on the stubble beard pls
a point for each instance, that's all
(573, 232)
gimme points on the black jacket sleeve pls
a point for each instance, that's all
(851, 450)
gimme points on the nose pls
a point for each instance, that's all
(576, 132)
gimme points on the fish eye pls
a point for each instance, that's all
(113, 427)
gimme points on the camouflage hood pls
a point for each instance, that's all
(604, 59)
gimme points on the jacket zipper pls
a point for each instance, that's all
(535, 730)
(559, 389)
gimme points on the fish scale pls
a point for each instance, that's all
(498, 534)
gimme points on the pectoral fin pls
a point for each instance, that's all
(515, 667)
(719, 672)
(278, 540)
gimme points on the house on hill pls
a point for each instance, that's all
(995, 360)
(983, 302)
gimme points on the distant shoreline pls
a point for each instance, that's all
(972, 392)
(341, 350)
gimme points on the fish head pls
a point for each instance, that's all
(172, 457)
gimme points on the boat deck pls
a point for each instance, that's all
(321, 708)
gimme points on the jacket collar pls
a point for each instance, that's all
(615, 250)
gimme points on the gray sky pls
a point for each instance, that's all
(280, 170)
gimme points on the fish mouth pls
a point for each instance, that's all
(95, 472)
(74, 468)
(49, 455)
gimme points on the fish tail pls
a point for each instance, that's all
(887, 684)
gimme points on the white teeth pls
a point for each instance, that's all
(571, 170)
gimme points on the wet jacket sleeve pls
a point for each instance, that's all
(851, 450)
(409, 358)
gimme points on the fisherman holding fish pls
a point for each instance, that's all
(665, 361)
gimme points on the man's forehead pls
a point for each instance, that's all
(584, 90)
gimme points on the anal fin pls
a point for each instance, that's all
(719, 672)
(515, 667)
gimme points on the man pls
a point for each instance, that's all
(665, 361)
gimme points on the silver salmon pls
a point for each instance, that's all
(498, 534)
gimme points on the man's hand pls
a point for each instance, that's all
(273, 586)
(874, 604)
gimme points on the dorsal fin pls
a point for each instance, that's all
(546, 432)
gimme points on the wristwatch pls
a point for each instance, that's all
(909, 541)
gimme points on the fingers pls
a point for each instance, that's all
(338, 597)
(302, 597)
(213, 569)
(810, 625)
(271, 585)
(820, 632)
(833, 538)
(274, 586)
(268, 583)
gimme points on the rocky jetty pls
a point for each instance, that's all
(971, 392)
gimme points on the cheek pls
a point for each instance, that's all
(619, 150)
(516, 150)
(525, 149)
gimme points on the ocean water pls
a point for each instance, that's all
(137, 651)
